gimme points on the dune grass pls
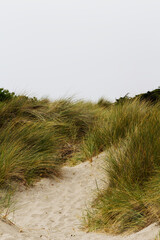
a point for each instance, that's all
(113, 125)
(38, 137)
(157, 237)
(132, 199)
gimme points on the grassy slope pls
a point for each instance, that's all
(38, 137)
(132, 199)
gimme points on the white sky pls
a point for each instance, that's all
(87, 48)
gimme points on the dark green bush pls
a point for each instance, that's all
(5, 95)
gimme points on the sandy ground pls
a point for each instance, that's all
(52, 209)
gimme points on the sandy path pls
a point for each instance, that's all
(52, 209)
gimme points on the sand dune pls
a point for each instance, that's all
(52, 209)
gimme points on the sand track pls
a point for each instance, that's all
(52, 209)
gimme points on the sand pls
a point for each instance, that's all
(52, 209)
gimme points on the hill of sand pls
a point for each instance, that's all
(52, 209)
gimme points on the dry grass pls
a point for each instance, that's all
(38, 137)
(132, 199)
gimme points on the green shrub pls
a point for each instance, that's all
(6, 95)
(152, 97)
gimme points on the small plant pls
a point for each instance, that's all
(152, 97)
(157, 237)
(123, 100)
(102, 102)
(5, 95)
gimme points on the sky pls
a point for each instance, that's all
(83, 48)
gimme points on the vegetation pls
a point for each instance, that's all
(5, 95)
(157, 237)
(38, 137)
(153, 96)
(102, 102)
(132, 200)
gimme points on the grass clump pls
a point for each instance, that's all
(38, 136)
(157, 237)
(112, 125)
(132, 199)
(27, 150)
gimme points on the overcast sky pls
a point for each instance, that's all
(86, 48)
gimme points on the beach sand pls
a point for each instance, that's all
(52, 209)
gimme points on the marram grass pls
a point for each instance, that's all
(37, 137)
(132, 200)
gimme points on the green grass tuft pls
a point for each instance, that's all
(131, 202)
